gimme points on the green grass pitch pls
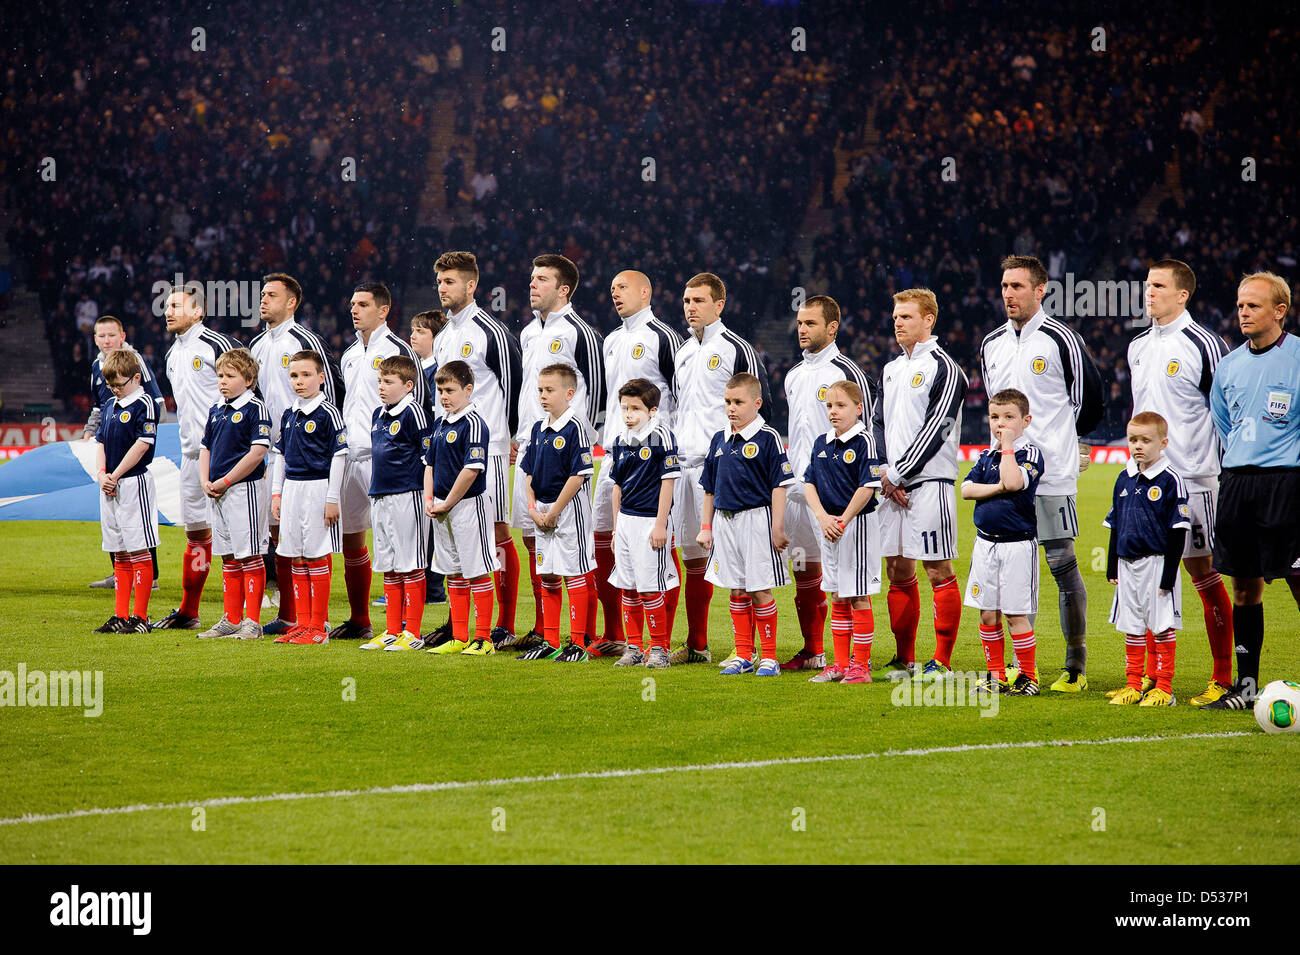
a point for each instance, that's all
(187, 724)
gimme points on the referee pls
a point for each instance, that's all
(1257, 531)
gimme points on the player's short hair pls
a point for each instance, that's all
(383, 297)
(643, 389)
(564, 268)
(308, 355)
(830, 308)
(1150, 419)
(400, 367)
(434, 319)
(745, 380)
(1184, 277)
(717, 290)
(123, 363)
(457, 262)
(242, 361)
(1279, 290)
(565, 373)
(290, 283)
(193, 291)
(457, 371)
(1011, 396)
(1037, 273)
(105, 319)
(924, 299)
(848, 388)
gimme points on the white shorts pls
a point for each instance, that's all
(924, 530)
(851, 565)
(464, 542)
(568, 549)
(129, 521)
(240, 521)
(806, 537)
(519, 500)
(354, 500)
(1138, 606)
(637, 565)
(743, 557)
(1202, 506)
(195, 513)
(688, 507)
(1003, 576)
(497, 491)
(401, 532)
(602, 505)
(303, 531)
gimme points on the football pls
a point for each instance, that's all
(1277, 709)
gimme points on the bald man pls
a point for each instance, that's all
(641, 347)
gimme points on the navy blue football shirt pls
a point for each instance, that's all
(123, 423)
(459, 441)
(399, 439)
(556, 452)
(1008, 517)
(1145, 507)
(741, 469)
(232, 430)
(311, 434)
(840, 464)
(640, 461)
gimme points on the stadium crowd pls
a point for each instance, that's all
(672, 137)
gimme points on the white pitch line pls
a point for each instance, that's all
(595, 774)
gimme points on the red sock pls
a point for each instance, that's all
(1165, 644)
(841, 631)
(123, 574)
(671, 597)
(393, 599)
(579, 596)
(530, 544)
(1025, 646)
(413, 594)
(904, 616)
(143, 573)
(742, 624)
(765, 624)
(632, 618)
(483, 595)
(287, 582)
(699, 594)
(1218, 624)
(319, 572)
(610, 599)
(1135, 652)
(299, 584)
(508, 554)
(458, 598)
(194, 574)
(810, 607)
(994, 650)
(656, 616)
(356, 578)
(864, 631)
(947, 619)
(232, 590)
(552, 602)
(593, 604)
(1150, 669)
(254, 587)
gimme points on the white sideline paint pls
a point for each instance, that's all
(598, 774)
